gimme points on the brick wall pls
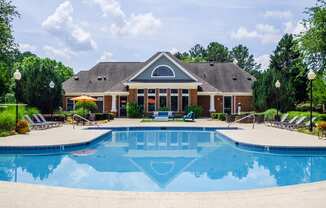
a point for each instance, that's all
(132, 97)
(193, 97)
(246, 103)
(107, 104)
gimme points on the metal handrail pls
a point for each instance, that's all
(82, 118)
(250, 115)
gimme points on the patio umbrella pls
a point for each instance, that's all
(84, 99)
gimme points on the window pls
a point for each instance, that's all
(174, 99)
(227, 104)
(140, 98)
(99, 103)
(70, 105)
(163, 71)
(151, 101)
(163, 98)
(185, 99)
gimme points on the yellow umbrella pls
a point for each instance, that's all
(84, 98)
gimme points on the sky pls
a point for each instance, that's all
(81, 33)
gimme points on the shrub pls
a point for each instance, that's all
(22, 127)
(104, 116)
(81, 112)
(270, 114)
(164, 109)
(134, 110)
(7, 121)
(87, 106)
(198, 110)
(321, 125)
(31, 110)
(292, 114)
(219, 116)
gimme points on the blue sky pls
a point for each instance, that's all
(81, 33)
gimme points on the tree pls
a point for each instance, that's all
(286, 66)
(313, 41)
(319, 89)
(8, 48)
(198, 51)
(37, 73)
(245, 60)
(218, 53)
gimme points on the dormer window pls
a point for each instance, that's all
(76, 78)
(99, 78)
(163, 71)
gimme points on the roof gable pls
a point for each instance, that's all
(146, 74)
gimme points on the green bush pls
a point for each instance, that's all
(219, 116)
(7, 121)
(270, 114)
(198, 110)
(88, 106)
(164, 109)
(81, 112)
(31, 111)
(134, 110)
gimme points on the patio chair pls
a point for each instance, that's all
(43, 120)
(283, 124)
(283, 119)
(33, 125)
(297, 124)
(161, 116)
(189, 117)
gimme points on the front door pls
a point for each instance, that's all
(123, 106)
(227, 104)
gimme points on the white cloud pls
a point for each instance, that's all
(106, 57)
(62, 25)
(27, 47)
(264, 60)
(295, 28)
(141, 24)
(278, 14)
(110, 7)
(263, 32)
(64, 53)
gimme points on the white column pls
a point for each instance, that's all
(212, 104)
(114, 103)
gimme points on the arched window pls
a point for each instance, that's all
(163, 71)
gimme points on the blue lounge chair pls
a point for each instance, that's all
(161, 116)
(189, 117)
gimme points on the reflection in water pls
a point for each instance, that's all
(163, 161)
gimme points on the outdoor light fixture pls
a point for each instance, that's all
(235, 61)
(17, 77)
(277, 85)
(311, 76)
(51, 85)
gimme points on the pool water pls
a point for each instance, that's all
(164, 160)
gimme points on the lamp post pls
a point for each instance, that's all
(17, 77)
(311, 76)
(277, 85)
(51, 85)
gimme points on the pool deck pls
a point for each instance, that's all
(26, 195)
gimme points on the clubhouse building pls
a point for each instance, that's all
(163, 82)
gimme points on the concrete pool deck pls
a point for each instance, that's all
(27, 195)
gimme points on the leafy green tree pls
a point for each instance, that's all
(8, 48)
(245, 60)
(319, 89)
(198, 51)
(218, 53)
(37, 73)
(313, 41)
(287, 67)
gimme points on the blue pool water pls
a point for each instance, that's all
(164, 160)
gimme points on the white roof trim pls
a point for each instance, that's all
(164, 85)
(225, 93)
(168, 57)
(94, 94)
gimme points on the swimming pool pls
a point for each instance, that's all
(172, 159)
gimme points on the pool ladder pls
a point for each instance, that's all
(248, 116)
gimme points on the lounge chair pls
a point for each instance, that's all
(34, 125)
(283, 119)
(297, 124)
(161, 116)
(39, 121)
(283, 124)
(189, 117)
(54, 123)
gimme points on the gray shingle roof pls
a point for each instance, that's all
(225, 77)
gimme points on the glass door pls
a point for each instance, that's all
(123, 106)
(227, 104)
